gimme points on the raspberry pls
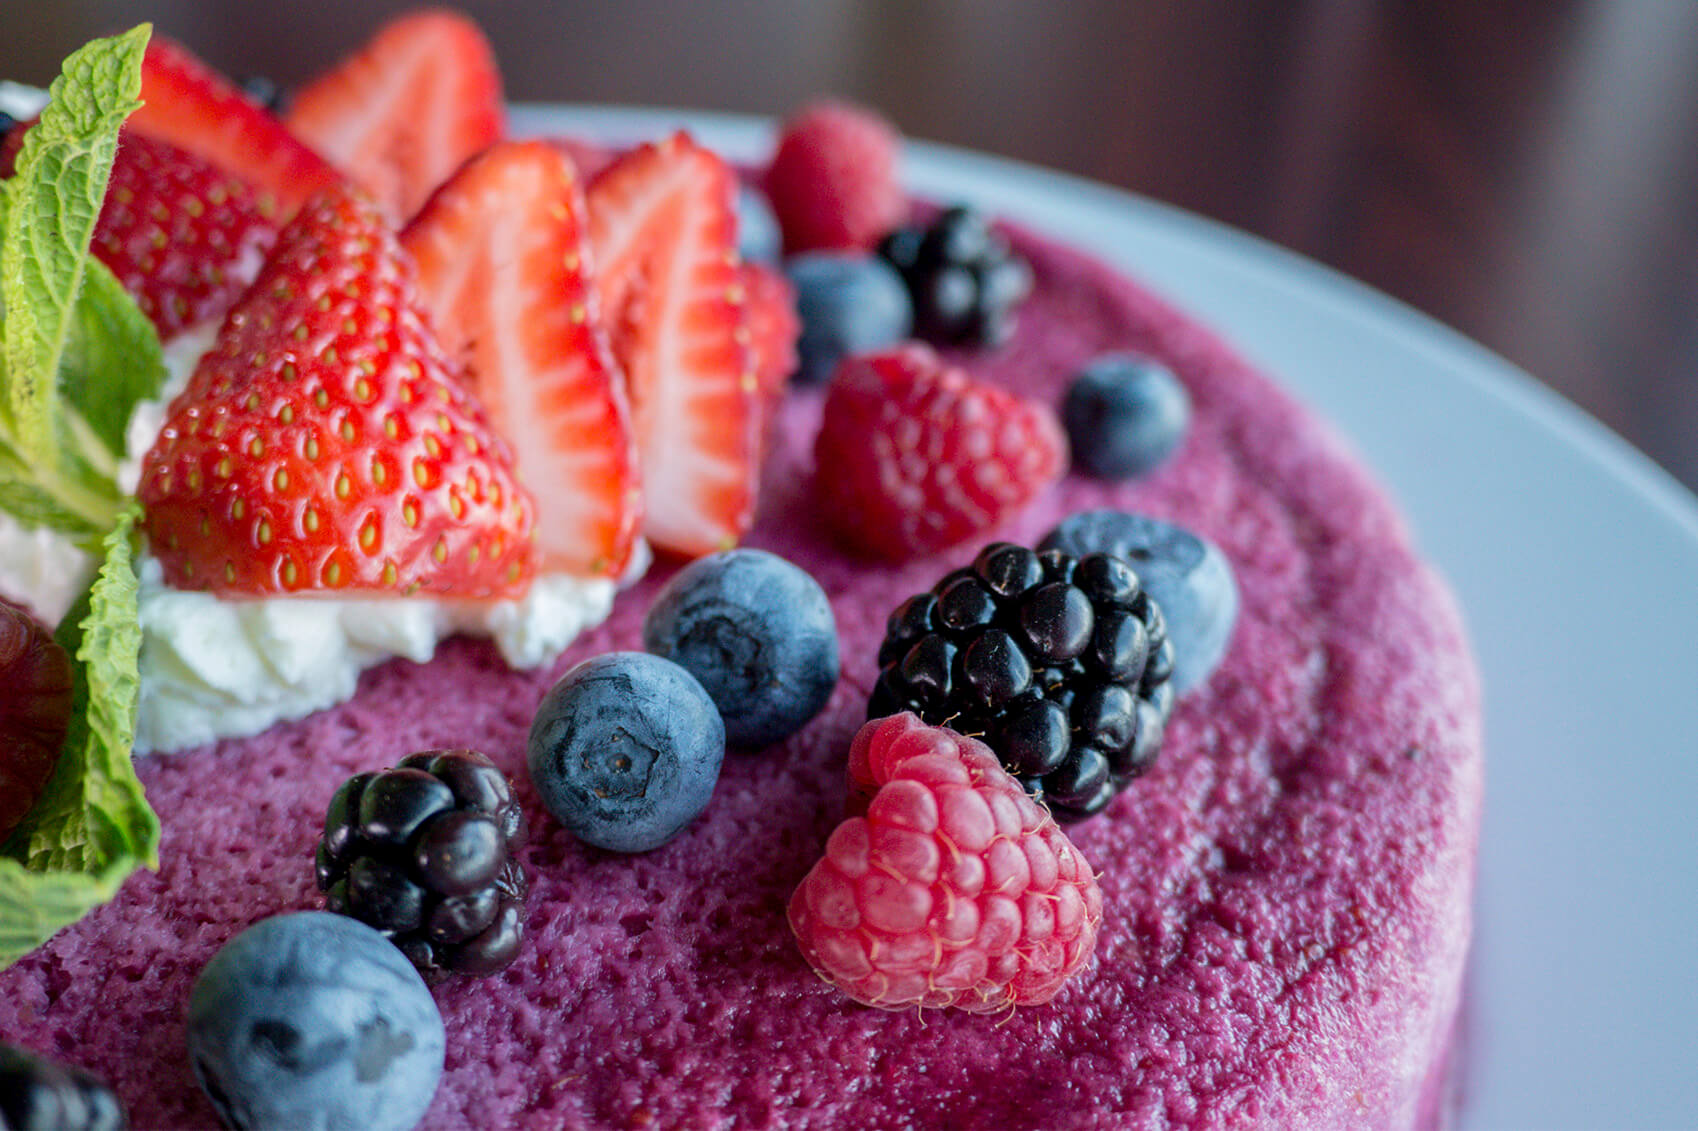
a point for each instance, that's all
(914, 456)
(954, 889)
(832, 179)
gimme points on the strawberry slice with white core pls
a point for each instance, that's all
(407, 109)
(323, 447)
(504, 274)
(193, 107)
(663, 234)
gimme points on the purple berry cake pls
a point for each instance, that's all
(1285, 888)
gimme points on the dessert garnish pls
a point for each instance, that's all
(954, 888)
(913, 455)
(426, 853)
(757, 632)
(35, 711)
(849, 302)
(324, 445)
(625, 749)
(309, 1019)
(964, 279)
(506, 281)
(1125, 415)
(400, 114)
(832, 179)
(1185, 573)
(1060, 664)
(38, 1094)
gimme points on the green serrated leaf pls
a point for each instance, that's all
(68, 506)
(92, 825)
(112, 359)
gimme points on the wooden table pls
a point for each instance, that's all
(1524, 170)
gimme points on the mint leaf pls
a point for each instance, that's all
(112, 359)
(92, 825)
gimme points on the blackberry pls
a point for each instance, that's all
(425, 854)
(37, 1094)
(1061, 664)
(962, 276)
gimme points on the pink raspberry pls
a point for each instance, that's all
(832, 179)
(954, 889)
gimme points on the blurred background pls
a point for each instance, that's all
(1525, 171)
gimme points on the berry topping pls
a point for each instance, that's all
(37, 1094)
(663, 234)
(504, 275)
(848, 303)
(313, 1020)
(425, 853)
(35, 712)
(758, 237)
(914, 456)
(953, 889)
(322, 444)
(1062, 665)
(1187, 575)
(183, 236)
(759, 635)
(832, 179)
(186, 103)
(402, 113)
(1124, 415)
(625, 750)
(962, 276)
(770, 305)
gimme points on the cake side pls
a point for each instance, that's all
(1286, 896)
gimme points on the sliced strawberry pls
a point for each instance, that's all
(770, 312)
(407, 109)
(193, 107)
(323, 446)
(663, 232)
(591, 157)
(183, 236)
(504, 275)
(914, 456)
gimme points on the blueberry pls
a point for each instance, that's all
(757, 632)
(38, 1093)
(758, 236)
(1188, 576)
(625, 750)
(848, 303)
(314, 1020)
(1124, 415)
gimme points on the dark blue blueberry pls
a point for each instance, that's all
(38, 1094)
(757, 632)
(625, 750)
(1124, 415)
(314, 1020)
(758, 236)
(1188, 576)
(848, 303)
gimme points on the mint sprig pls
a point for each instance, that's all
(76, 355)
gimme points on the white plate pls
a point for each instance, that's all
(1576, 561)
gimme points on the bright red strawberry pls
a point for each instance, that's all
(913, 455)
(183, 236)
(832, 179)
(504, 273)
(663, 230)
(323, 446)
(770, 313)
(407, 109)
(35, 711)
(186, 103)
(954, 889)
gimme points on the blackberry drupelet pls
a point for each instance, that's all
(37, 1094)
(1061, 664)
(425, 853)
(962, 276)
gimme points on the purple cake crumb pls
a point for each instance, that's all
(1286, 895)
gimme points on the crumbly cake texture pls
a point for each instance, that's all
(1286, 896)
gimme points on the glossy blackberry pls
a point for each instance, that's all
(963, 278)
(1061, 664)
(37, 1094)
(425, 854)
